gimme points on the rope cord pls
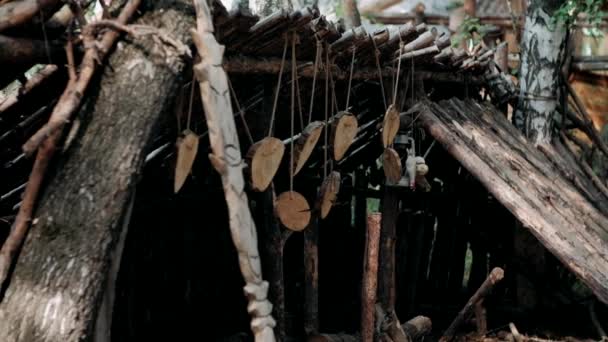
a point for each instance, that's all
(314, 77)
(350, 78)
(326, 110)
(398, 71)
(377, 56)
(293, 95)
(241, 112)
(276, 95)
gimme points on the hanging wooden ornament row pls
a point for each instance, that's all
(291, 207)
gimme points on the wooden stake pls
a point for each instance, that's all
(264, 158)
(343, 131)
(305, 144)
(388, 238)
(391, 163)
(311, 277)
(226, 158)
(370, 277)
(292, 210)
(494, 277)
(390, 125)
(328, 193)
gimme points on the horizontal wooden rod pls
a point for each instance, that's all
(245, 65)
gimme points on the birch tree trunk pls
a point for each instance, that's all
(542, 51)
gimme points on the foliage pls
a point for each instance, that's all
(568, 12)
(454, 5)
(470, 29)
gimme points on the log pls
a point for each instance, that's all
(390, 125)
(22, 51)
(292, 210)
(370, 277)
(343, 131)
(424, 40)
(334, 338)
(226, 158)
(494, 277)
(388, 326)
(83, 215)
(17, 13)
(391, 164)
(305, 144)
(328, 193)
(38, 79)
(417, 327)
(264, 158)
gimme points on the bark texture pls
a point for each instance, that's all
(59, 281)
(542, 52)
(352, 18)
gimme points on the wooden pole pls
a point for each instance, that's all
(311, 277)
(388, 238)
(370, 277)
(226, 159)
(495, 276)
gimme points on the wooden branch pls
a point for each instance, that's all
(47, 150)
(32, 83)
(494, 277)
(370, 277)
(95, 52)
(16, 13)
(226, 159)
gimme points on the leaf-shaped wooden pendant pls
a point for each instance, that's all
(187, 147)
(391, 164)
(264, 159)
(292, 210)
(344, 129)
(328, 193)
(305, 144)
(390, 126)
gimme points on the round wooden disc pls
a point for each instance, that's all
(344, 130)
(306, 144)
(328, 193)
(390, 125)
(392, 165)
(293, 210)
(264, 158)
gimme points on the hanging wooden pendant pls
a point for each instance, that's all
(328, 193)
(187, 147)
(305, 144)
(264, 158)
(343, 132)
(390, 125)
(292, 210)
(392, 165)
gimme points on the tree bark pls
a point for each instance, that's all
(542, 52)
(352, 18)
(58, 284)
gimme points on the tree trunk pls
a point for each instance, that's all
(59, 282)
(542, 51)
(352, 18)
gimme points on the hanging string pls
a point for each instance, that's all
(241, 112)
(326, 110)
(299, 101)
(293, 95)
(398, 71)
(190, 104)
(350, 78)
(377, 55)
(276, 95)
(314, 77)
